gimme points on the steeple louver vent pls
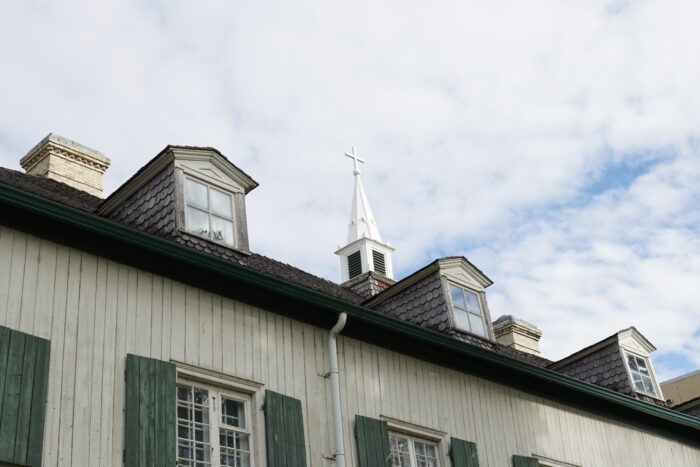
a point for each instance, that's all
(354, 264)
(379, 263)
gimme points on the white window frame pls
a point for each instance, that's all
(215, 395)
(186, 205)
(412, 447)
(482, 308)
(650, 368)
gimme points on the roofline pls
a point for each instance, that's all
(681, 377)
(435, 346)
(584, 352)
(423, 272)
(690, 403)
(153, 167)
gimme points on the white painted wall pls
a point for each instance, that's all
(96, 311)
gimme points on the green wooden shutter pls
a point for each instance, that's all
(522, 461)
(284, 431)
(463, 453)
(372, 442)
(24, 378)
(150, 413)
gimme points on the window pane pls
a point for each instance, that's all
(632, 362)
(233, 413)
(638, 384)
(400, 452)
(424, 449)
(183, 393)
(457, 296)
(461, 319)
(642, 366)
(193, 429)
(473, 302)
(197, 194)
(235, 448)
(220, 203)
(477, 325)
(197, 221)
(222, 231)
(648, 385)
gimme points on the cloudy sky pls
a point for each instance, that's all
(555, 144)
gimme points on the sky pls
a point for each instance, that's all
(554, 144)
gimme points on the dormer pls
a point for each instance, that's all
(620, 362)
(191, 194)
(448, 295)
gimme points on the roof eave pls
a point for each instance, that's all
(441, 347)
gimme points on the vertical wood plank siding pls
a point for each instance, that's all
(149, 413)
(24, 367)
(463, 453)
(284, 433)
(372, 442)
(95, 312)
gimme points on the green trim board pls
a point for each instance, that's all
(372, 436)
(433, 346)
(24, 377)
(150, 413)
(463, 453)
(284, 431)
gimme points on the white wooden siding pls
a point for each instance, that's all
(96, 311)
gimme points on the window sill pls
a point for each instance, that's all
(214, 242)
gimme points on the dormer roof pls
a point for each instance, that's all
(629, 336)
(470, 273)
(194, 155)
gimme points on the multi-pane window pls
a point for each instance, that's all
(407, 451)
(641, 375)
(209, 212)
(466, 307)
(213, 428)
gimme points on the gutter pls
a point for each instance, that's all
(450, 349)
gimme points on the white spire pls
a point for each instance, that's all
(365, 250)
(362, 223)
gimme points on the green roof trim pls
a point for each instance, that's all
(571, 390)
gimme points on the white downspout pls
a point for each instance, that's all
(335, 389)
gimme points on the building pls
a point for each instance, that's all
(683, 393)
(140, 330)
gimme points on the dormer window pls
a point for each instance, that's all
(642, 376)
(209, 212)
(467, 310)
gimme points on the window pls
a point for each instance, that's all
(641, 375)
(407, 451)
(209, 212)
(466, 307)
(213, 428)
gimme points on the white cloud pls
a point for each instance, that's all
(483, 125)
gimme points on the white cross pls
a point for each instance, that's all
(355, 160)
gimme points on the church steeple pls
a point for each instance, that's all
(362, 223)
(365, 250)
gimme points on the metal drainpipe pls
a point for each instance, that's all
(335, 389)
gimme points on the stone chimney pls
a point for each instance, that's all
(68, 162)
(518, 334)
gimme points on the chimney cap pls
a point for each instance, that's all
(98, 156)
(68, 162)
